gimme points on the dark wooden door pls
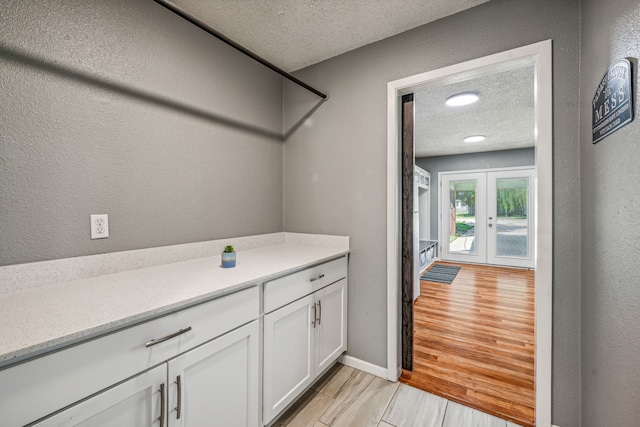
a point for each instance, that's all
(408, 162)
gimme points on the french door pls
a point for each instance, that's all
(487, 217)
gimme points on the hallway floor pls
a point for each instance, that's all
(474, 341)
(347, 397)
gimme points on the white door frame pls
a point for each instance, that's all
(540, 55)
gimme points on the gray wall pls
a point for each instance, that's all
(335, 168)
(119, 107)
(460, 162)
(610, 198)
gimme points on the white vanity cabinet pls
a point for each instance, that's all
(304, 331)
(116, 378)
(138, 402)
(288, 354)
(217, 384)
(237, 355)
(331, 325)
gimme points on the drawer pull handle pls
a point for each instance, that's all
(168, 337)
(161, 417)
(319, 311)
(313, 319)
(317, 278)
(179, 407)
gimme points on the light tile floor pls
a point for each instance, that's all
(349, 397)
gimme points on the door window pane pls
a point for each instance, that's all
(512, 222)
(462, 221)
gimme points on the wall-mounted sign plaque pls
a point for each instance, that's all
(613, 101)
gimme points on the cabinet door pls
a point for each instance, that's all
(331, 324)
(288, 354)
(136, 402)
(217, 383)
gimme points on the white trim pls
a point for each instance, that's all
(360, 364)
(541, 55)
(544, 233)
(509, 169)
(393, 233)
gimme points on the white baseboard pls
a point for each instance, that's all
(370, 368)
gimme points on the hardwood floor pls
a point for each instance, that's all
(474, 341)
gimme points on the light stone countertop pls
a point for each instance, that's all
(35, 320)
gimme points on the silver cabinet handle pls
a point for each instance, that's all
(313, 319)
(319, 312)
(179, 406)
(168, 337)
(161, 417)
(317, 278)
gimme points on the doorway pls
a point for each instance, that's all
(474, 340)
(487, 217)
(538, 54)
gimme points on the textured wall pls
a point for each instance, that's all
(461, 162)
(610, 234)
(335, 167)
(119, 107)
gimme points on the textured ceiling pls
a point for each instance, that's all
(293, 34)
(504, 114)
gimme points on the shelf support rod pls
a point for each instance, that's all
(198, 23)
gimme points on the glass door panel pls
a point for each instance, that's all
(510, 225)
(511, 221)
(462, 213)
(463, 208)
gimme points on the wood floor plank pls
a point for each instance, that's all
(306, 412)
(474, 341)
(361, 402)
(458, 415)
(439, 342)
(498, 386)
(334, 380)
(413, 407)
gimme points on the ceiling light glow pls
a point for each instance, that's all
(460, 99)
(474, 138)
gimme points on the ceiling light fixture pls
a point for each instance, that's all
(474, 138)
(460, 99)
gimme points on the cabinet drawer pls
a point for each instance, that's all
(58, 379)
(289, 288)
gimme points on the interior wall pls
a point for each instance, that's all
(335, 166)
(610, 234)
(121, 107)
(473, 161)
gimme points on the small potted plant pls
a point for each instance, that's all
(228, 257)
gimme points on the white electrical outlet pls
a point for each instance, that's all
(99, 226)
